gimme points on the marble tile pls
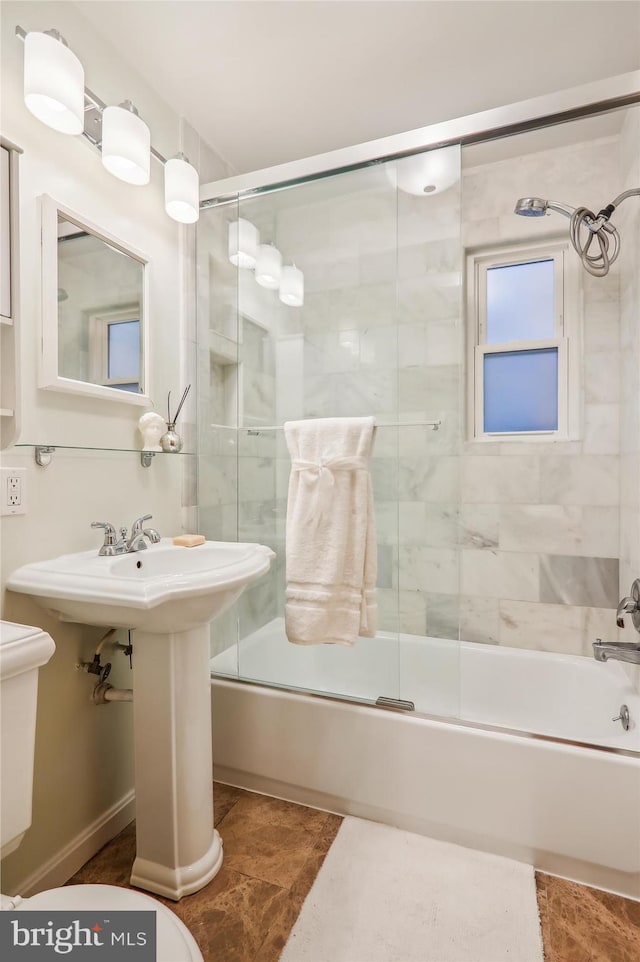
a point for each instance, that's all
(443, 342)
(591, 479)
(386, 557)
(601, 429)
(410, 609)
(269, 839)
(379, 348)
(491, 480)
(479, 525)
(443, 616)
(432, 525)
(541, 627)
(386, 513)
(428, 479)
(601, 325)
(224, 798)
(429, 297)
(587, 582)
(428, 569)
(560, 529)
(602, 377)
(582, 924)
(500, 574)
(479, 619)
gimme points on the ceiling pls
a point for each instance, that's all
(271, 81)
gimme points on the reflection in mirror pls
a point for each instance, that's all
(95, 305)
(100, 294)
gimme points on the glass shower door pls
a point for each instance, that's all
(430, 388)
(334, 355)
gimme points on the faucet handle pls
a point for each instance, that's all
(136, 527)
(109, 531)
(630, 606)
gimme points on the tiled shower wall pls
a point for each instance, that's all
(381, 336)
(516, 543)
(540, 520)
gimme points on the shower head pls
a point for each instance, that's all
(537, 207)
(594, 227)
(531, 207)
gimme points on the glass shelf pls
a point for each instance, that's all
(96, 447)
(44, 452)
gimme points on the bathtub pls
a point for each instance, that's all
(509, 751)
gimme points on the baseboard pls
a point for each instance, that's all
(65, 863)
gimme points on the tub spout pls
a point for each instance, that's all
(628, 651)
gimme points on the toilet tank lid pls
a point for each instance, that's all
(23, 648)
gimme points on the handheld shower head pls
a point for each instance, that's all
(531, 207)
(537, 207)
(595, 227)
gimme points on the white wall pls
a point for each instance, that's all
(84, 762)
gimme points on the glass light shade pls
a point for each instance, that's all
(268, 266)
(53, 83)
(181, 191)
(126, 144)
(243, 242)
(292, 286)
(428, 173)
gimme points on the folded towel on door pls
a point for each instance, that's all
(330, 538)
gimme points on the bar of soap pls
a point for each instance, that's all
(189, 540)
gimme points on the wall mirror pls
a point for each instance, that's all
(94, 310)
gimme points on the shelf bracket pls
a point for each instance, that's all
(146, 457)
(44, 455)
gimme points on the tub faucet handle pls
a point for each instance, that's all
(630, 606)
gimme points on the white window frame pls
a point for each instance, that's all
(567, 337)
(99, 324)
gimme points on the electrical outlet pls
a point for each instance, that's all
(13, 499)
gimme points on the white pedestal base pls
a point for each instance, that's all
(178, 850)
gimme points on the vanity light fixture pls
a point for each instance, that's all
(126, 144)
(53, 82)
(181, 190)
(291, 290)
(268, 266)
(244, 239)
(54, 92)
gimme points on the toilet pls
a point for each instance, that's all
(23, 650)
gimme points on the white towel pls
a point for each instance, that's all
(331, 544)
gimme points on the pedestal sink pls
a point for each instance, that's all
(168, 594)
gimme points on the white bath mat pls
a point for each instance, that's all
(383, 895)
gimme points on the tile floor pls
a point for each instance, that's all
(273, 851)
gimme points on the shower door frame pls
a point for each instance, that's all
(574, 103)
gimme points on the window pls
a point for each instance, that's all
(114, 349)
(522, 343)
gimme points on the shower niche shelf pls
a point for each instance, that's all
(44, 453)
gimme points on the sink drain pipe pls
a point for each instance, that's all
(103, 693)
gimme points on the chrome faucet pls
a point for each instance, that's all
(136, 540)
(628, 651)
(123, 545)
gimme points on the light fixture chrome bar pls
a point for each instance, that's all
(560, 107)
(93, 102)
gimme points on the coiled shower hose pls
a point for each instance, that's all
(598, 229)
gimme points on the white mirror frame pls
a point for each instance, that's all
(49, 377)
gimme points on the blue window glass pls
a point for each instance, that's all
(124, 350)
(520, 302)
(521, 390)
